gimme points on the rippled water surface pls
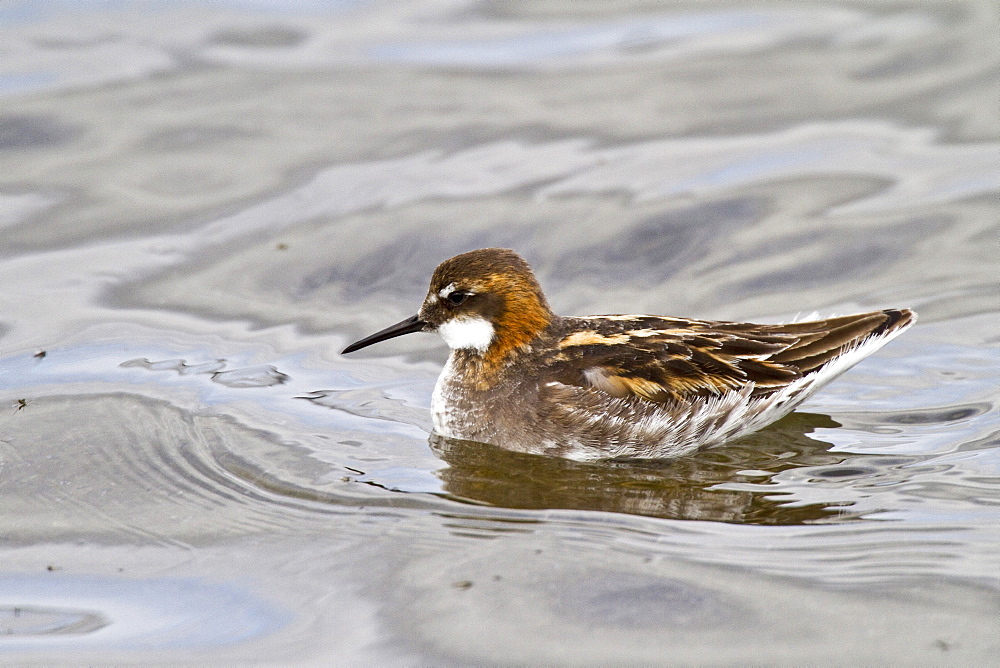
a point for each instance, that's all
(201, 203)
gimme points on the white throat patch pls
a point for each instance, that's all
(464, 333)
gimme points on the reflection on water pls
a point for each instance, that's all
(732, 483)
(29, 620)
(91, 612)
(262, 376)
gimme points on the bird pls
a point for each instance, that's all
(615, 386)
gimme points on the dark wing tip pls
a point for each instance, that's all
(895, 319)
(831, 338)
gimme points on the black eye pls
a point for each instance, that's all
(457, 297)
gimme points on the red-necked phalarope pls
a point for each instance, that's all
(606, 386)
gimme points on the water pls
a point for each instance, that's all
(201, 203)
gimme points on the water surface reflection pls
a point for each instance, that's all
(733, 483)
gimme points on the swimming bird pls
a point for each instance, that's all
(615, 386)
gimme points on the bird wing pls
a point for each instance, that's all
(674, 359)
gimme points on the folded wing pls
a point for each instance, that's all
(672, 359)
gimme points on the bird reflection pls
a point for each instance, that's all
(723, 484)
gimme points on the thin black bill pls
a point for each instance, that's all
(408, 326)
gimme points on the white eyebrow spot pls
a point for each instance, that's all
(463, 333)
(447, 290)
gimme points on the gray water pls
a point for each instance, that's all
(202, 203)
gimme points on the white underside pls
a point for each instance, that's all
(442, 406)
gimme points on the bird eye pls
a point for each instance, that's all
(457, 297)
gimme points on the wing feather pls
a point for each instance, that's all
(670, 359)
